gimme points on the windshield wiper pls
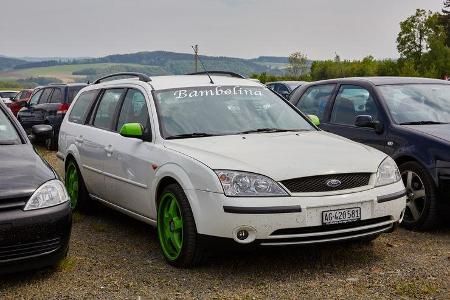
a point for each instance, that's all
(190, 135)
(422, 123)
(268, 130)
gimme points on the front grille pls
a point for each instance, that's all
(331, 227)
(319, 183)
(13, 203)
(17, 251)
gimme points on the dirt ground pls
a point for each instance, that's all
(113, 256)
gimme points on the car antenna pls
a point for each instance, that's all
(203, 66)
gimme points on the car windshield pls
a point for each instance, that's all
(418, 103)
(8, 133)
(7, 94)
(224, 110)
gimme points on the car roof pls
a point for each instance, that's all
(385, 80)
(186, 81)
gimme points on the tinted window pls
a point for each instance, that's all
(81, 108)
(107, 108)
(45, 96)
(315, 100)
(350, 102)
(57, 96)
(134, 110)
(73, 91)
(35, 98)
(8, 134)
(282, 89)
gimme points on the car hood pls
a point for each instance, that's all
(441, 131)
(282, 155)
(22, 171)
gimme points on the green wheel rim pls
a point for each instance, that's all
(170, 226)
(72, 184)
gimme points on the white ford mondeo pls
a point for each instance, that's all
(222, 159)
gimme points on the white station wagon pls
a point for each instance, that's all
(222, 158)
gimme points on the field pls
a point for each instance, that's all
(114, 257)
(62, 72)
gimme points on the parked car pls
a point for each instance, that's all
(35, 212)
(20, 100)
(7, 96)
(222, 159)
(48, 105)
(407, 118)
(284, 88)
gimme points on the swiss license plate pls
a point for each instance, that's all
(341, 215)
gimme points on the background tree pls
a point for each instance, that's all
(298, 64)
(445, 20)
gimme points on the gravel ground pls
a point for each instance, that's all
(113, 256)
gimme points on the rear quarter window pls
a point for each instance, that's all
(82, 107)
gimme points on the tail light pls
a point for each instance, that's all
(63, 108)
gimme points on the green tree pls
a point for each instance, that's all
(298, 64)
(445, 20)
(416, 33)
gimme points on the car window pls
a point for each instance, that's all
(81, 108)
(45, 95)
(107, 108)
(73, 91)
(282, 89)
(57, 96)
(134, 110)
(271, 86)
(8, 133)
(35, 98)
(18, 96)
(315, 100)
(351, 102)
(25, 95)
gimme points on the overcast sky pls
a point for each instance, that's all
(240, 28)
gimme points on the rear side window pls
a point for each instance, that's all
(107, 108)
(35, 98)
(315, 100)
(73, 91)
(45, 95)
(57, 96)
(82, 106)
(134, 110)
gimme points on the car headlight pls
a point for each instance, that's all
(387, 172)
(244, 184)
(49, 194)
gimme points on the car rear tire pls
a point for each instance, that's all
(421, 204)
(177, 232)
(79, 196)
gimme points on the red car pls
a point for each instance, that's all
(20, 100)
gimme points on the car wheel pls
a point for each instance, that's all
(79, 196)
(421, 203)
(176, 228)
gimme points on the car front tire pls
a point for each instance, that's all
(177, 232)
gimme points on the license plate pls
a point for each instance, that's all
(341, 215)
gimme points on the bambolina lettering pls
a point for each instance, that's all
(218, 91)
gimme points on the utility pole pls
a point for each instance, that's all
(196, 58)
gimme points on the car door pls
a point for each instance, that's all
(128, 169)
(93, 141)
(352, 101)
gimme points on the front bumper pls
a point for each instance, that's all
(297, 219)
(34, 239)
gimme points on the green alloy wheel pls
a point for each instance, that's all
(170, 226)
(72, 184)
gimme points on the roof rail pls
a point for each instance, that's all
(142, 77)
(224, 73)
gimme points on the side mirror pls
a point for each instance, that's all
(42, 131)
(314, 119)
(132, 130)
(367, 121)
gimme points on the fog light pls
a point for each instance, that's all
(242, 234)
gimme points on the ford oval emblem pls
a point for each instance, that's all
(333, 183)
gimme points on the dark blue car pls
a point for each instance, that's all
(407, 118)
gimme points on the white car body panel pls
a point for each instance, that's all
(125, 173)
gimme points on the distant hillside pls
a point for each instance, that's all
(9, 63)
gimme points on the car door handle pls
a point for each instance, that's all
(109, 150)
(79, 139)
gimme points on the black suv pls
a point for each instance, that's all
(48, 105)
(407, 118)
